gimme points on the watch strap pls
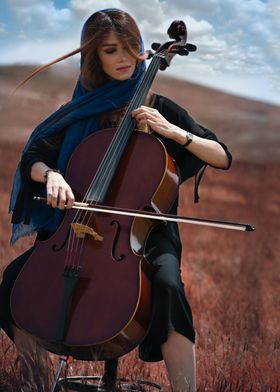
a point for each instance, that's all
(189, 137)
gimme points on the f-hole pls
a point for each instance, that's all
(115, 241)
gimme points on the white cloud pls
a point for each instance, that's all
(198, 28)
(274, 9)
(43, 16)
(235, 38)
(191, 6)
(84, 8)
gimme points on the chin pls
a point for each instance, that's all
(123, 77)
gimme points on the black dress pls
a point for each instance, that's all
(171, 310)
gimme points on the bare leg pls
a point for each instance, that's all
(179, 356)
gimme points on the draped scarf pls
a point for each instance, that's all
(79, 118)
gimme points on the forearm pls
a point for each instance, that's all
(207, 150)
(38, 172)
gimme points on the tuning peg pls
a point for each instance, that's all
(191, 47)
(183, 51)
(155, 45)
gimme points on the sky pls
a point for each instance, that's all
(238, 45)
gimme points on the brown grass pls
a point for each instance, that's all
(231, 278)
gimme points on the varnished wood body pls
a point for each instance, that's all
(110, 310)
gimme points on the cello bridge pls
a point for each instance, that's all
(81, 230)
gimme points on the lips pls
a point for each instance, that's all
(124, 68)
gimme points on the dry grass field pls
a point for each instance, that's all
(232, 279)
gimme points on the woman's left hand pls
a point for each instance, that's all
(208, 151)
(151, 117)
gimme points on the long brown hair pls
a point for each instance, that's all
(98, 26)
(96, 29)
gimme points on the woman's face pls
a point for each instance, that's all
(116, 62)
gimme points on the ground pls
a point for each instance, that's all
(231, 278)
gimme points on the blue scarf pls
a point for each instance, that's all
(80, 118)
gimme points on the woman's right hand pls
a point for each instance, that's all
(59, 192)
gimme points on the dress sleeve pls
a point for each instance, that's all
(42, 150)
(187, 162)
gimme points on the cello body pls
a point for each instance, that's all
(109, 310)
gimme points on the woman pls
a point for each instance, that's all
(112, 65)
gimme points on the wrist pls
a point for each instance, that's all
(182, 137)
(46, 173)
(178, 135)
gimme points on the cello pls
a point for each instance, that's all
(85, 291)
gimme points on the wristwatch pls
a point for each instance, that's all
(189, 137)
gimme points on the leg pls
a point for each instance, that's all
(171, 312)
(9, 277)
(179, 356)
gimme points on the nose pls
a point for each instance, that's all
(124, 54)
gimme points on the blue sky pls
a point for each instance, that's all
(238, 40)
